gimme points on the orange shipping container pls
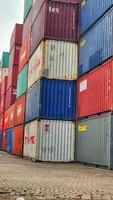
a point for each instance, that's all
(24, 54)
(19, 111)
(18, 140)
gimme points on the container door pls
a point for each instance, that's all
(9, 141)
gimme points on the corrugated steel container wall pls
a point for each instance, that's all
(5, 60)
(53, 60)
(95, 91)
(6, 119)
(55, 21)
(51, 99)
(27, 27)
(16, 37)
(1, 122)
(14, 56)
(94, 140)
(57, 141)
(37, 5)
(33, 103)
(31, 140)
(24, 54)
(4, 141)
(18, 137)
(11, 116)
(91, 11)
(19, 111)
(9, 140)
(1, 141)
(22, 81)
(96, 45)
(27, 7)
(2, 103)
(10, 97)
(4, 86)
(12, 76)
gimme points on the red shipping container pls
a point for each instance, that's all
(14, 56)
(2, 104)
(16, 37)
(27, 27)
(24, 54)
(10, 96)
(37, 5)
(57, 21)
(18, 140)
(95, 91)
(1, 122)
(6, 120)
(4, 141)
(11, 116)
(4, 86)
(19, 111)
(12, 77)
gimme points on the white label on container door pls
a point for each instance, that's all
(83, 85)
(53, 10)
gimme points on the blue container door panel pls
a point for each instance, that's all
(0, 141)
(9, 140)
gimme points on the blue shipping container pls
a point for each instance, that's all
(9, 140)
(97, 45)
(51, 99)
(0, 141)
(92, 10)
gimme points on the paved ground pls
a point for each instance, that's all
(23, 178)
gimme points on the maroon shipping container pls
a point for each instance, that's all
(2, 104)
(10, 97)
(14, 56)
(16, 37)
(95, 91)
(55, 21)
(38, 4)
(1, 122)
(27, 27)
(12, 76)
(4, 141)
(4, 86)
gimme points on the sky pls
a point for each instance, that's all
(11, 12)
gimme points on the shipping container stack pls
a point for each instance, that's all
(4, 74)
(47, 75)
(95, 84)
(11, 90)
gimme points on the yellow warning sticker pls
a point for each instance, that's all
(82, 128)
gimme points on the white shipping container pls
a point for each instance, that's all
(53, 140)
(54, 60)
(31, 140)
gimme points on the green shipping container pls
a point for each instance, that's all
(27, 6)
(22, 81)
(5, 60)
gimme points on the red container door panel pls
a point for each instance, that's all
(4, 141)
(12, 77)
(1, 122)
(94, 91)
(16, 37)
(19, 111)
(10, 97)
(18, 140)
